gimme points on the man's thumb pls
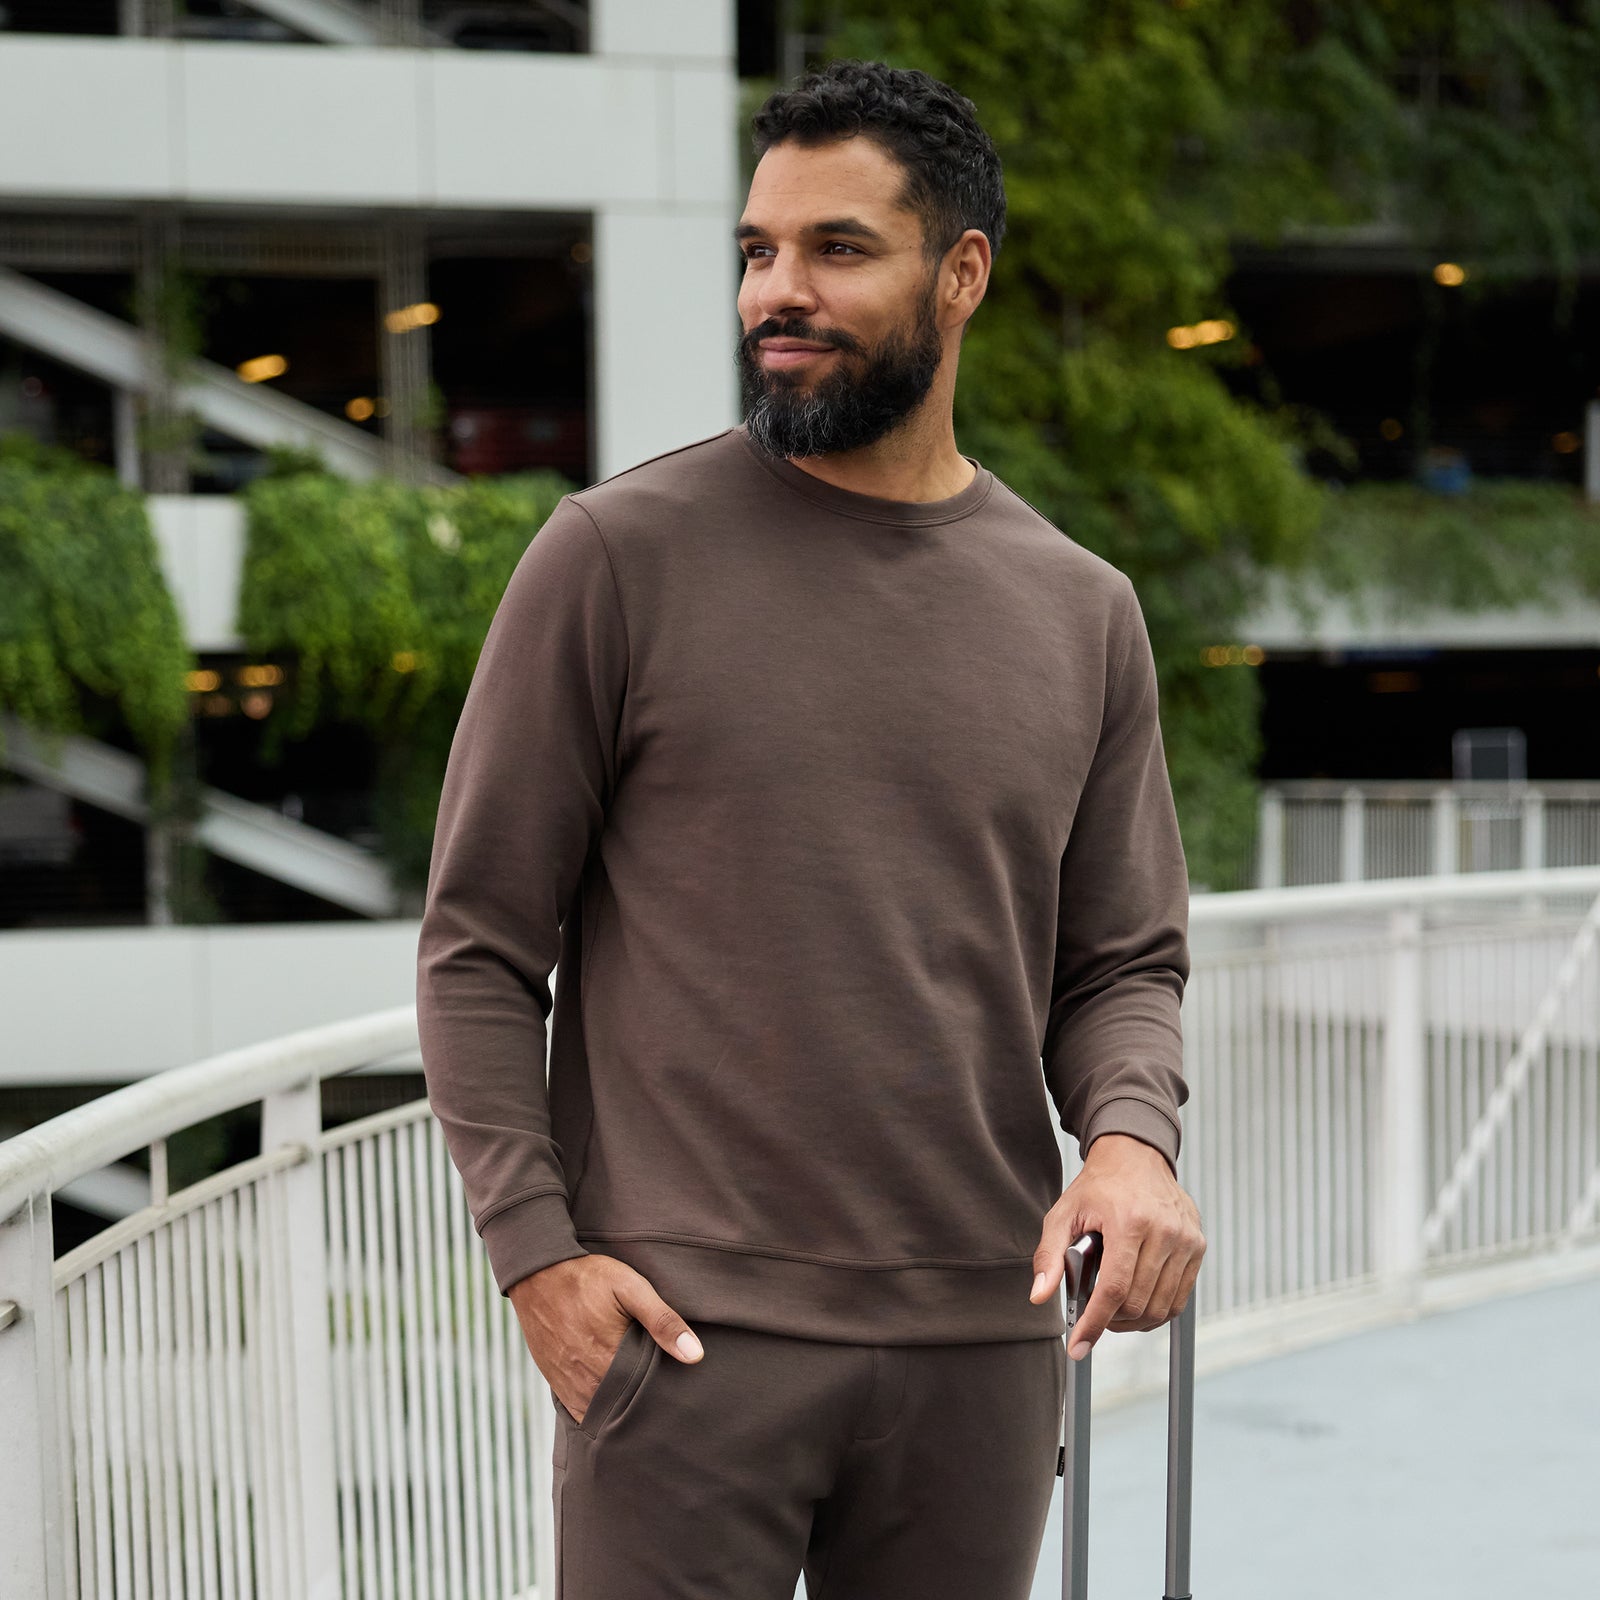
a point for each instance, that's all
(667, 1328)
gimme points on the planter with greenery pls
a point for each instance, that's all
(377, 597)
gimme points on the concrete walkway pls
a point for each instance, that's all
(1451, 1458)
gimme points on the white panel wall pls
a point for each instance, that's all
(200, 539)
(162, 997)
(312, 125)
(321, 125)
(86, 117)
(575, 131)
(663, 28)
(665, 295)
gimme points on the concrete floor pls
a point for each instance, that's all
(1451, 1458)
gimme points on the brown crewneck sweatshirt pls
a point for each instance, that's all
(849, 823)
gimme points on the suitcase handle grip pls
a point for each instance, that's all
(1082, 1268)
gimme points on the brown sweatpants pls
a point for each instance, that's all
(884, 1472)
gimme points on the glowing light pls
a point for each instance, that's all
(359, 409)
(1212, 331)
(405, 660)
(581, 252)
(203, 681)
(1450, 274)
(407, 319)
(1391, 428)
(255, 677)
(1233, 655)
(1566, 444)
(259, 368)
(256, 703)
(217, 705)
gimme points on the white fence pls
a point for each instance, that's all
(1325, 832)
(297, 1378)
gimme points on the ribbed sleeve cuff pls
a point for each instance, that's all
(1140, 1120)
(534, 1233)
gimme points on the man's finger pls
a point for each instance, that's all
(1161, 1305)
(1111, 1288)
(661, 1322)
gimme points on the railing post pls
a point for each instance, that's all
(1269, 841)
(1532, 830)
(31, 1505)
(1446, 833)
(1353, 837)
(294, 1116)
(1403, 1196)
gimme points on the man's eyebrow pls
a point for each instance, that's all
(849, 226)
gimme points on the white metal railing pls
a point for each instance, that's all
(297, 1377)
(1328, 832)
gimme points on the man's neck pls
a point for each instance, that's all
(907, 464)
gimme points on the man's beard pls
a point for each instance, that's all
(848, 409)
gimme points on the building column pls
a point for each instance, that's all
(405, 350)
(166, 434)
(666, 329)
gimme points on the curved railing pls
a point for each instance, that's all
(297, 1378)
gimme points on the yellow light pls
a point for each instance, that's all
(254, 677)
(256, 703)
(1449, 274)
(202, 681)
(1254, 655)
(405, 661)
(1212, 331)
(406, 319)
(259, 368)
(359, 409)
(1565, 443)
(1391, 428)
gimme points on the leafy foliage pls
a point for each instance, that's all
(1142, 139)
(1395, 549)
(85, 615)
(382, 593)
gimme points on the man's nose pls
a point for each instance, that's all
(786, 286)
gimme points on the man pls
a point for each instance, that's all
(832, 773)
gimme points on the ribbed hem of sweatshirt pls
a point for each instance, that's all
(977, 1304)
(1140, 1119)
(534, 1233)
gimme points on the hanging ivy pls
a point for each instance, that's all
(88, 629)
(378, 596)
(1394, 550)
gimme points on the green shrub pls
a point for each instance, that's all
(378, 595)
(85, 613)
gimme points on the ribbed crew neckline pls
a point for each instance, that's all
(871, 507)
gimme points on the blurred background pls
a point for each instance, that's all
(310, 311)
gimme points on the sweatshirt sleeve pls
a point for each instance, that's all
(1113, 1048)
(530, 775)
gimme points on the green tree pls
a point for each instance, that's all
(1143, 140)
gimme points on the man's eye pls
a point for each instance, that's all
(839, 244)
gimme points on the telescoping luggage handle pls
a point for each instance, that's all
(1083, 1262)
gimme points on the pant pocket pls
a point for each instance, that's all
(618, 1379)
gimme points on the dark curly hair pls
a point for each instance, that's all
(953, 177)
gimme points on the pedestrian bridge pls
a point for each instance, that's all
(296, 1378)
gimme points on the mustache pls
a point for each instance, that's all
(772, 328)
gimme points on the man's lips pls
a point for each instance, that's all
(790, 352)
